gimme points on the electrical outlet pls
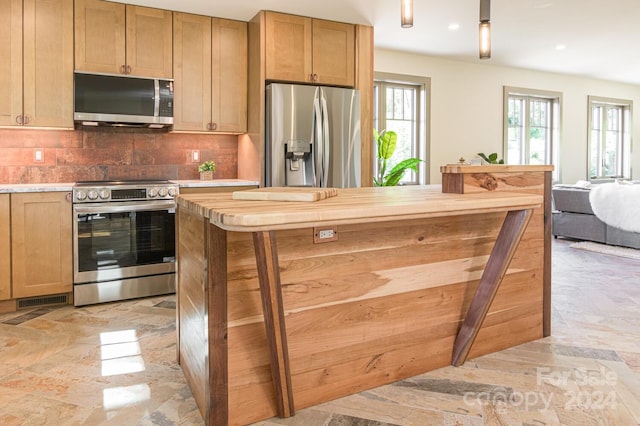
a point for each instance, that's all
(325, 234)
(195, 156)
(38, 155)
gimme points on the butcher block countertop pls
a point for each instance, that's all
(353, 205)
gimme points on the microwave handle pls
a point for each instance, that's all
(169, 205)
(156, 97)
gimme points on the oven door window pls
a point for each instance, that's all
(119, 240)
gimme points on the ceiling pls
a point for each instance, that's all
(599, 36)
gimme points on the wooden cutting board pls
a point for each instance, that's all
(285, 194)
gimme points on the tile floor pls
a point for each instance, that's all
(114, 364)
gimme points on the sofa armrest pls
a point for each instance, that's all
(574, 200)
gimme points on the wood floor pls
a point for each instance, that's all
(114, 364)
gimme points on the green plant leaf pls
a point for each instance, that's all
(484, 157)
(398, 171)
(387, 144)
(491, 159)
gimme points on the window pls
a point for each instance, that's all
(400, 104)
(609, 138)
(532, 123)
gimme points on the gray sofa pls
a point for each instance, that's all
(574, 218)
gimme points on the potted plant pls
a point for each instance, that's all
(386, 145)
(206, 170)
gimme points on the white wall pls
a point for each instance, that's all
(466, 108)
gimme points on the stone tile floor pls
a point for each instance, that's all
(114, 364)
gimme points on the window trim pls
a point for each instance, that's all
(423, 118)
(625, 104)
(556, 124)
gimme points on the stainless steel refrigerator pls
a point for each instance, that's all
(312, 136)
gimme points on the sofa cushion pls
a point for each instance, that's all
(574, 200)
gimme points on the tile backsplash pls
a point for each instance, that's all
(109, 154)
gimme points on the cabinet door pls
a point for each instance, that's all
(288, 47)
(229, 76)
(5, 248)
(192, 72)
(11, 62)
(48, 63)
(149, 42)
(41, 243)
(333, 53)
(100, 36)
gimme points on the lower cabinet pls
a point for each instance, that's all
(41, 244)
(5, 247)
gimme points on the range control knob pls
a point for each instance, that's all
(104, 194)
(92, 194)
(172, 192)
(162, 192)
(81, 195)
(152, 192)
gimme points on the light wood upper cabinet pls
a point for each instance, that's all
(114, 38)
(100, 36)
(229, 75)
(309, 50)
(288, 48)
(210, 70)
(11, 63)
(149, 42)
(5, 247)
(36, 47)
(333, 53)
(41, 243)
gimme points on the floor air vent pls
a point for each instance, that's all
(59, 299)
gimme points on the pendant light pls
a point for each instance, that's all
(485, 29)
(406, 13)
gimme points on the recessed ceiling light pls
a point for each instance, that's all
(454, 26)
(560, 47)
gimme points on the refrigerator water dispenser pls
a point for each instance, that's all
(298, 163)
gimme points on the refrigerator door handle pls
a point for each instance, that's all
(326, 142)
(318, 139)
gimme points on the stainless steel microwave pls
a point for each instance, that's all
(116, 100)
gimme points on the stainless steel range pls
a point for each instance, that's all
(123, 240)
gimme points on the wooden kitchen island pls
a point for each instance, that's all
(272, 318)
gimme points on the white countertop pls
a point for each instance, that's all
(195, 183)
(68, 186)
(36, 187)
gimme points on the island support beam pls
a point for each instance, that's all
(271, 293)
(216, 291)
(505, 246)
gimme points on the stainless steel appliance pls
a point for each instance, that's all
(312, 136)
(117, 100)
(123, 240)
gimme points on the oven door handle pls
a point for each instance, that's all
(124, 207)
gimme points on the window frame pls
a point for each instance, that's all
(626, 106)
(555, 126)
(422, 111)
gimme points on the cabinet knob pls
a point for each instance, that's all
(214, 126)
(18, 119)
(26, 119)
(123, 69)
(314, 77)
(67, 196)
(128, 69)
